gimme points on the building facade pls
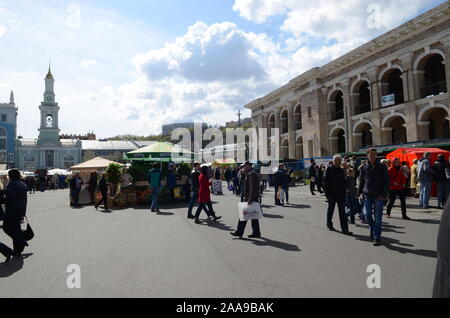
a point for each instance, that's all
(48, 151)
(390, 91)
(8, 132)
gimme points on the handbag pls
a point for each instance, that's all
(249, 212)
(28, 234)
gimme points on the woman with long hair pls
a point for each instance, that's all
(204, 196)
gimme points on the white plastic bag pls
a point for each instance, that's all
(249, 212)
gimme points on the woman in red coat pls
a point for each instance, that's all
(204, 197)
(398, 182)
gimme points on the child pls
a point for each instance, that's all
(352, 194)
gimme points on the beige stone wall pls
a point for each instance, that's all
(403, 49)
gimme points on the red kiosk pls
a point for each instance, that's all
(410, 154)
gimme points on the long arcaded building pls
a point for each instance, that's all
(390, 91)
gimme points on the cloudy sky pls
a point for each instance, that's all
(127, 67)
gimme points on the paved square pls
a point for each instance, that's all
(136, 253)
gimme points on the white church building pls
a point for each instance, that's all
(48, 151)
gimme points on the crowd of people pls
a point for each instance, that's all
(46, 182)
(365, 189)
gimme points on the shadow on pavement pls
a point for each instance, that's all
(13, 266)
(273, 216)
(297, 206)
(217, 225)
(397, 246)
(277, 244)
(427, 221)
(389, 228)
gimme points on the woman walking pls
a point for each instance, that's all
(204, 197)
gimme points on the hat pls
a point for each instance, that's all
(246, 163)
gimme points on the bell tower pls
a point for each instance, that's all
(49, 130)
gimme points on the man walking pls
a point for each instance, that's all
(195, 187)
(374, 187)
(252, 192)
(312, 176)
(425, 176)
(15, 210)
(335, 191)
(75, 188)
(441, 179)
(154, 178)
(397, 187)
(103, 188)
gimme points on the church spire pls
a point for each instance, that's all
(49, 74)
(11, 97)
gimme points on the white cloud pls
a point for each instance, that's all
(220, 52)
(331, 19)
(2, 30)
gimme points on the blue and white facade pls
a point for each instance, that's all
(8, 132)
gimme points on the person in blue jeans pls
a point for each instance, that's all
(374, 187)
(154, 177)
(425, 176)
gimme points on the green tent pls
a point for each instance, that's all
(160, 152)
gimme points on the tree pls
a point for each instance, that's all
(113, 173)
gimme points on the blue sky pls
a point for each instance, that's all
(131, 66)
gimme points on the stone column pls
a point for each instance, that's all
(347, 114)
(386, 135)
(423, 130)
(357, 141)
(446, 42)
(291, 132)
(407, 76)
(276, 136)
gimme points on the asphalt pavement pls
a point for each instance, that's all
(136, 253)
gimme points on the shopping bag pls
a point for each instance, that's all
(249, 212)
(28, 234)
(177, 193)
(217, 187)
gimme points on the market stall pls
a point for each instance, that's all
(410, 154)
(85, 169)
(170, 156)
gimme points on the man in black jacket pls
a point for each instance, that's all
(374, 187)
(441, 179)
(335, 191)
(103, 188)
(16, 207)
(312, 176)
(251, 195)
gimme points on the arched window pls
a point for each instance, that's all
(336, 104)
(361, 97)
(431, 76)
(392, 84)
(298, 118)
(69, 161)
(29, 163)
